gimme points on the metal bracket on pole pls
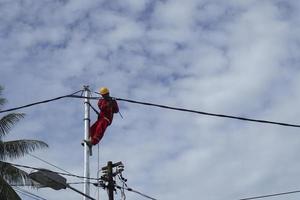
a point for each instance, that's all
(87, 149)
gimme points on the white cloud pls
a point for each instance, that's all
(233, 57)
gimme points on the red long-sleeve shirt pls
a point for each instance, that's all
(107, 108)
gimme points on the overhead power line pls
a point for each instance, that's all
(271, 195)
(210, 114)
(65, 174)
(200, 112)
(161, 106)
(39, 102)
(28, 194)
(36, 157)
(137, 192)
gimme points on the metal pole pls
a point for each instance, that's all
(110, 180)
(86, 168)
(98, 170)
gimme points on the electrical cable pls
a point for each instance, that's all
(123, 195)
(65, 174)
(164, 107)
(39, 102)
(77, 183)
(135, 191)
(73, 95)
(28, 194)
(202, 112)
(57, 168)
(49, 163)
(271, 195)
(64, 184)
(210, 114)
(25, 194)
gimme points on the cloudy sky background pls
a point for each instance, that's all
(232, 57)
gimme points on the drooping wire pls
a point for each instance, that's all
(162, 106)
(123, 181)
(65, 184)
(28, 194)
(125, 187)
(39, 102)
(206, 113)
(77, 183)
(36, 157)
(65, 174)
(209, 114)
(135, 191)
(70, 174)
(123, 191)
(271, 195)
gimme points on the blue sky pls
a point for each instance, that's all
(232, 57)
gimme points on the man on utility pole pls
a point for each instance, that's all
(108, 107)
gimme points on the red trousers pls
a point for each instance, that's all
(97, 130)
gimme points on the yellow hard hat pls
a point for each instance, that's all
(103, 90)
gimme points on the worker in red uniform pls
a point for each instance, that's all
(108, 106)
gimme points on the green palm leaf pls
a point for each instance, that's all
(14, 176)
(18, 148)
(7, 122)
(9, 174)
(7, 192)
(2, 100)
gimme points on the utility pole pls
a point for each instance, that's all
(86, 168)
(111, 185)
(109, 175)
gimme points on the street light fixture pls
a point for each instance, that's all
(53, 180)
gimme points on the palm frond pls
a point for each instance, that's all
(16, 177)
(13, 175)
(7, 192)
(1, 89)
(19, 148)
(2, 101)
(7, 122)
